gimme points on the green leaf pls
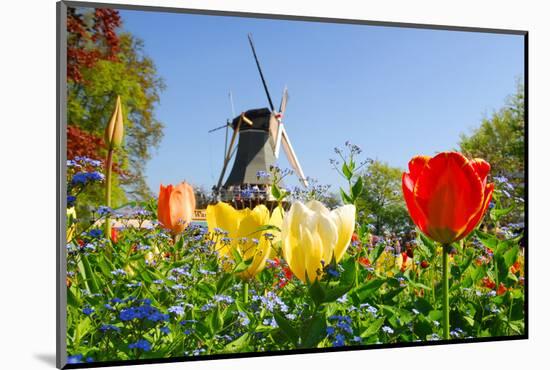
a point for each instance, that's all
(316, 292)
(469, 320)
(347, 171)
(373, 328)
(392, 294)
(90, 275)
(82, 329)
(477, 273)
(215, 321)
(236, 255)
(357, 188)
(267, 227)
(287, 328)
(422, 305)
(488, 240)
(238, 345)
(422, 328)
(276, 191)
(345, 197)
(243, 265)
(314, 330)
(435, 315)
(511, 256)
(369, 289)
(497, 213)
(322, 292)
(209, 289)
(224, 283)
(72, 298)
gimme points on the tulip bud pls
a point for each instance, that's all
(115, 129)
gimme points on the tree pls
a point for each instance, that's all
(500, 141)
(381, 203)
(113, 64)
(90, 37)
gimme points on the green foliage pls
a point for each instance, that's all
(350, 170)
(500, 141)
(381, 203)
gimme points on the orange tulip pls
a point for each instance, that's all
(447, 195)
(176, 206)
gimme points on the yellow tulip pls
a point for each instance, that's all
(115, 128)
(312, 236)
(243, 227)
(71, 230)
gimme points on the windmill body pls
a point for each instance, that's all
(254, 150)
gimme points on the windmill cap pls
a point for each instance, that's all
(259, 117)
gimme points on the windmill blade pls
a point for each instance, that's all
(291, 155)
(260, 70)
(274, 132)
(278, 138)
(276, 124)
(284, 99)
(232, 105)
(218, 128)
(228, 154)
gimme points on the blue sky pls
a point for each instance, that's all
(395, 92)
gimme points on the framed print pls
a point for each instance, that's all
(234, 184)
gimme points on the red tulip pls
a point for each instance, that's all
(364, 261)
(447, 195)
(176, 206)
(488, 283)
(114, 235)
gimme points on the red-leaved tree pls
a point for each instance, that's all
(89, 40)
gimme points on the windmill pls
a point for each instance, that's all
(261, 134)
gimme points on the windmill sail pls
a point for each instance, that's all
(291, 156)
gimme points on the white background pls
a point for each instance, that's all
(27, 206)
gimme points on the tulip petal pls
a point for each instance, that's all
(182, 206)
(249, 229)
(327, 230)
(276, 220)
(450, 193)
(418, 217)
(223, 216)
(163, 209)
(344, 218)
(312, 252)
(416, 165)
(477, 219)
(294, 255)
(482, 168)
(317, 207)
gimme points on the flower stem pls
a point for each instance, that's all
(108, 176)
(245, 291)
(445, 282)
